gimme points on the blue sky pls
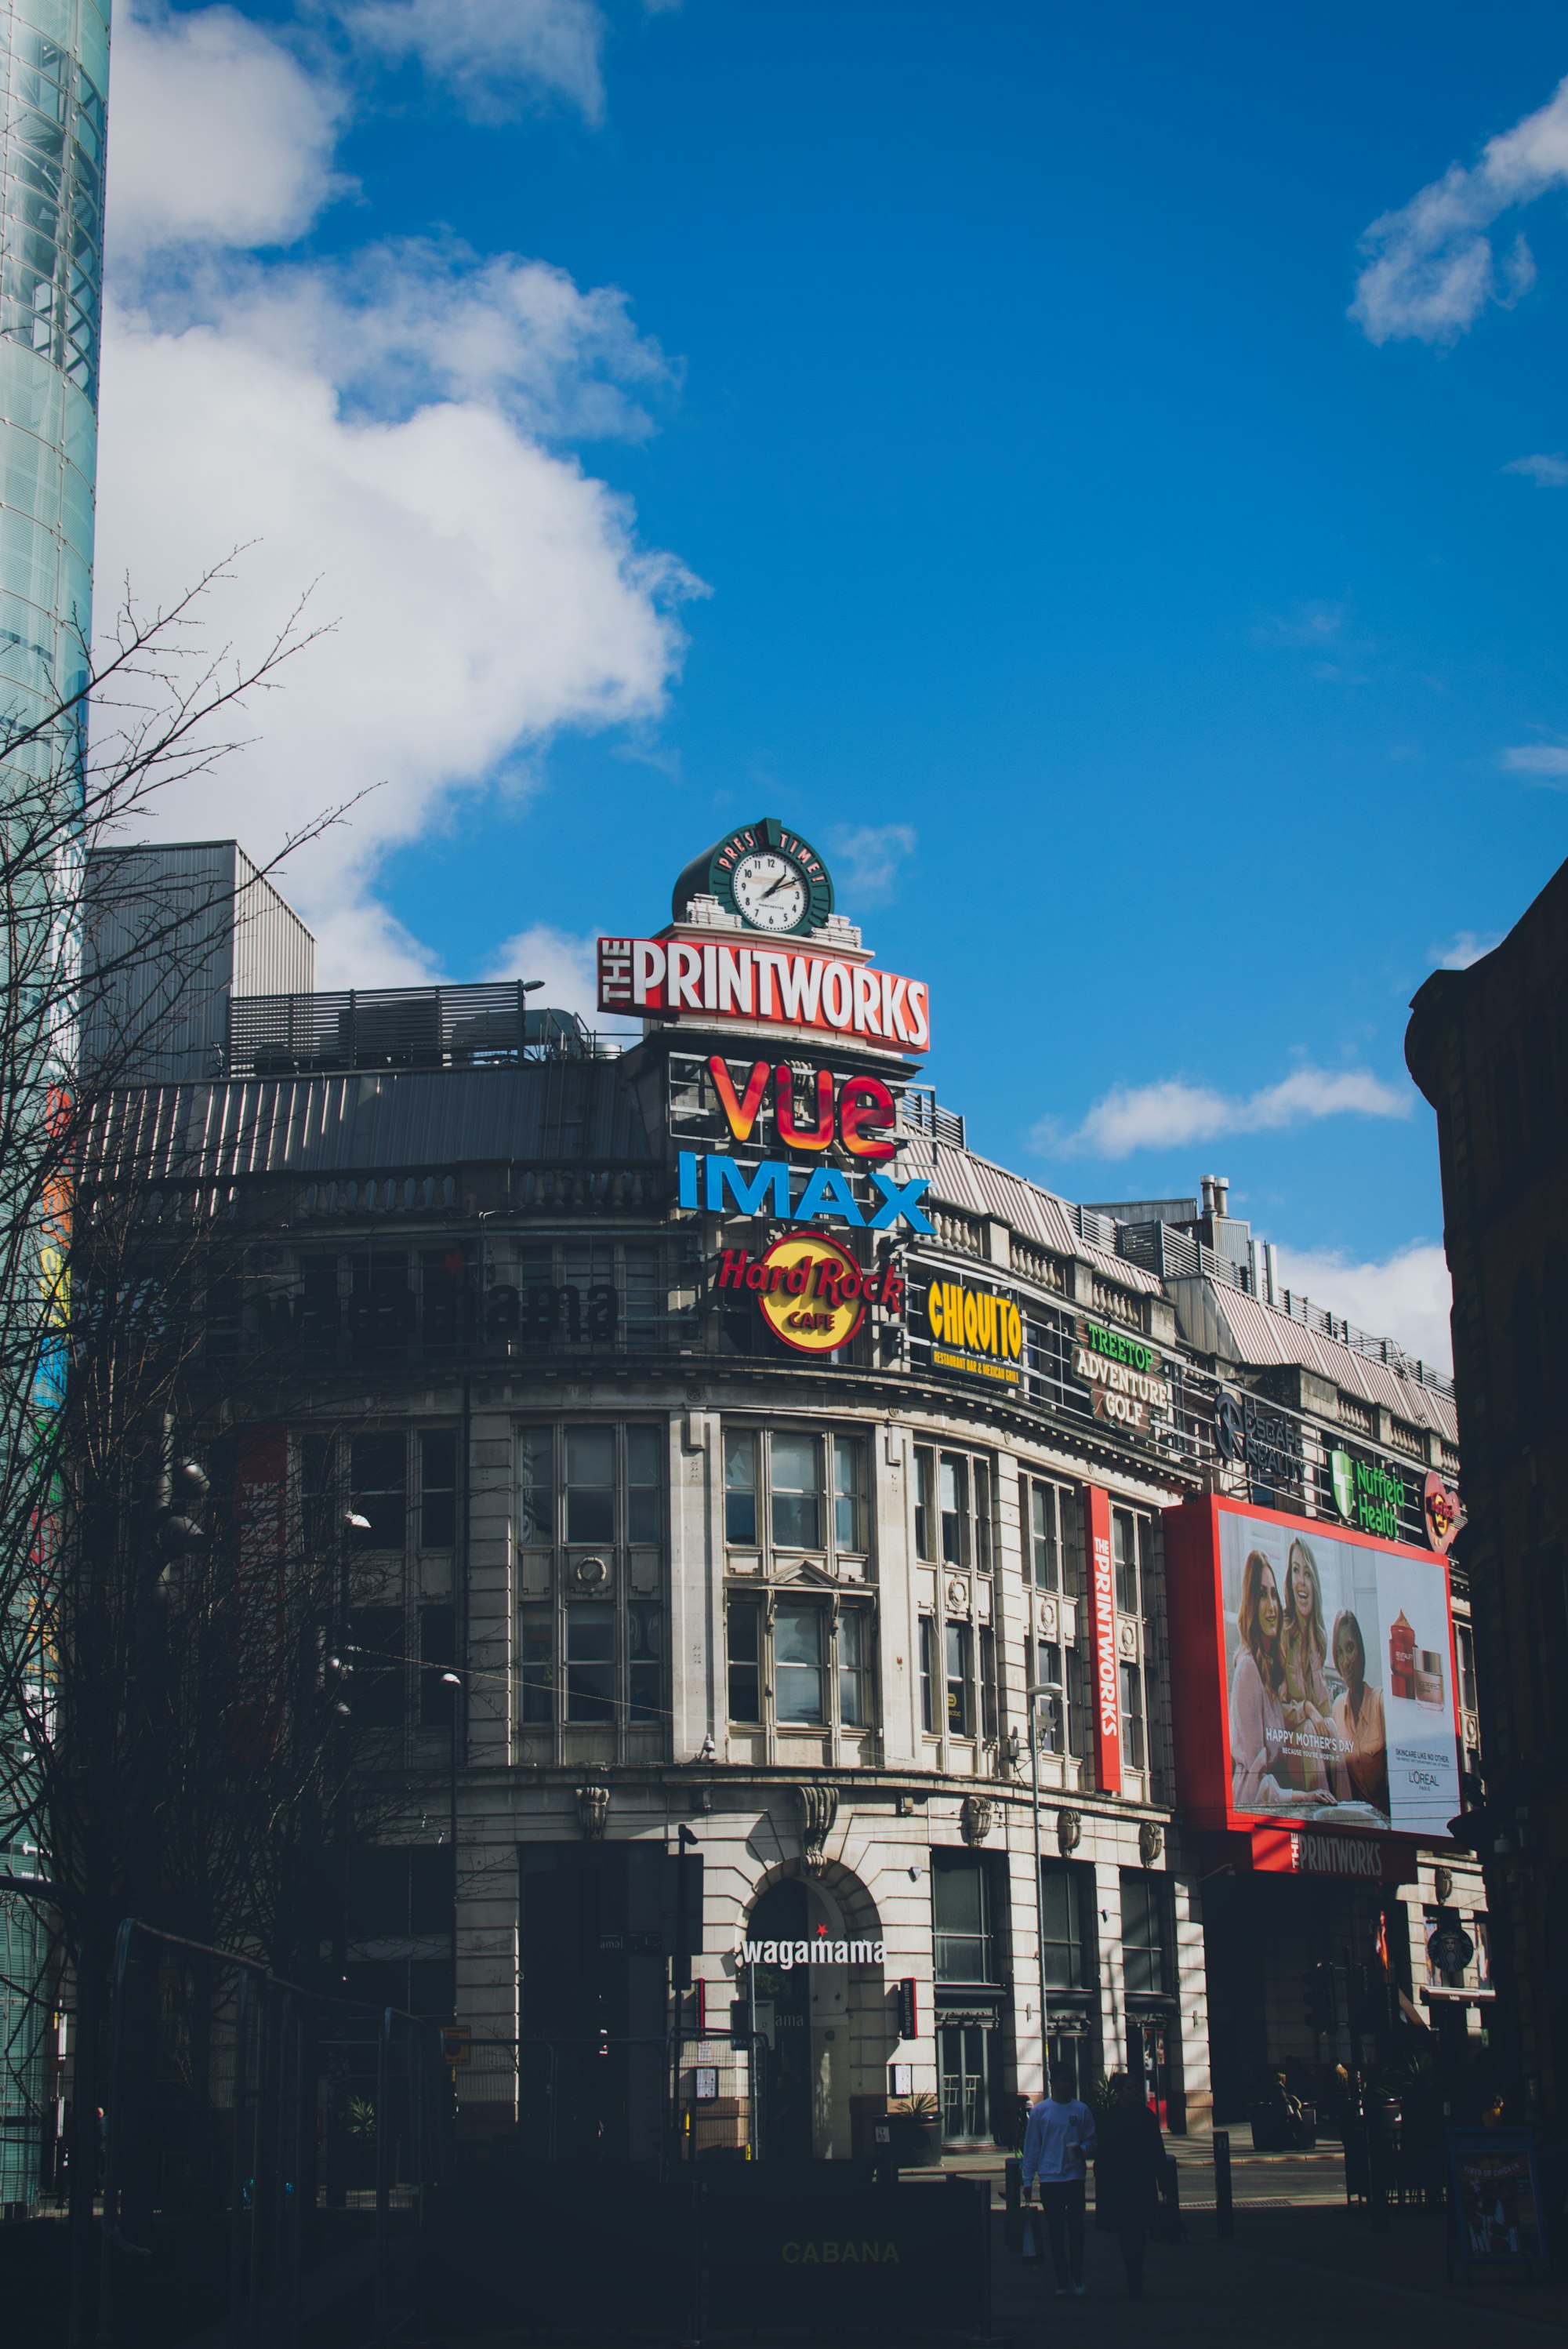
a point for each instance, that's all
(948, 429)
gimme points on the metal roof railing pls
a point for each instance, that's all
(402, 1027)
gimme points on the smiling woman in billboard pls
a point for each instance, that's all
(1257, 1714)
(1359, 1717)
(1303, 1648)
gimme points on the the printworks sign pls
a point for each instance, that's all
(785, 986)
(974, 1331)
(1367, 1495)
(1124, 1374)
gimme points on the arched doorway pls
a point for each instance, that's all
(817, 1978)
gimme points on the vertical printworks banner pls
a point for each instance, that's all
(1495, 2199)
(1103, 1604)
(1338, 1678)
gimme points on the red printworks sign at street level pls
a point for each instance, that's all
(1319, 1851)
(1313, 1681)
(774, 986)
(1107, 1695)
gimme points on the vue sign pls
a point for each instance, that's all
(859, 1113)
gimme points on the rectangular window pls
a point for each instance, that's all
(379, 1481)
(1147, 1934)
(589, 1484)
(953, 1480)
(591, 1661)
(1044, 1538)
(987, 1682)
(924, 1504)
(961, 1919)
(928, 1675)
(438, 1488)
(1464, 1642)
(850, 1493)
(744, 1618)
(320, 1307)
(740, 1485)
(1078, 1725)
(380, 1304)
(983, 1515)
(645, 1651)
(797, 1662)
(1050, 1709)
(378, 1653)
(535, 1483)
(1124, 1557)
(644, 1518)
(437, 1654)
(1132, 1716)
(797, 1492)
(446, 1291)
(1067, 1890)
(854, 1660)
(958, 1705)
(538, 1667)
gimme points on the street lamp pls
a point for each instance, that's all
(454, 1682)
(1034, 1692)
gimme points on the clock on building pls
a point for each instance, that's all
(764, 874)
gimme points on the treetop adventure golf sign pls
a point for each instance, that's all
(1124, 1374)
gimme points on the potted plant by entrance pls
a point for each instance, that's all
(916, 2125)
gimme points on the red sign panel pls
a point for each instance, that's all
(774, 986)
(1312, 1680)
(1107, 1694)
(1319, 1851)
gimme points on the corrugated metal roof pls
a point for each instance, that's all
(1263, 1335)
(364, 1121)
(981, 1188)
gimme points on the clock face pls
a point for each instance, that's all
(770, 890)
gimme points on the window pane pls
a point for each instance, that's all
(1124, 1552)
(535, 1475)
(538, 1665)
(1043, 1534)
(988, 1681)
(958, 1680)
(1078, 1703)
(928, 1675)
(589, 1484)
(590, 1663)
(745, 1619)
(983, 1515)
(378, 1479)
(797, 1662)
(849, 1492)
(924, 1507)
(437, 1654)
(645, 1644)
(740, 1484)
(853, 1658)
(953, 1484)
(960, 1923)
(376, 1642)
(1049, 1709)
(1066, 1952)
(438, 1489)
(1133, 1714)
(797, 1492)
(644, 1516)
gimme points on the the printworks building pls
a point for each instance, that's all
(743, 1462)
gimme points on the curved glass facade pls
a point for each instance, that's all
(53, 80)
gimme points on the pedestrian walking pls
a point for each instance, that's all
(1127, 2175)
(1058, 2143)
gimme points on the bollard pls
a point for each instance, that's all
(1224, 2210)
(1013, 2225)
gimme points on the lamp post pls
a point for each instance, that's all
(1034, 1692)
(453, 1680)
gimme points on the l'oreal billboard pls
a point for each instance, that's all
(1313, 1674)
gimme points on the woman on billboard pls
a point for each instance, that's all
(1310, 1755)
(1260, 1779)
(1359, 1717)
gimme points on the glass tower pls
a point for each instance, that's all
(54, 82)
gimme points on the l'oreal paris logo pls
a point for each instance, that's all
(783, 987)
(708, 1181)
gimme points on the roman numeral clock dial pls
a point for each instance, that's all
(764, 874)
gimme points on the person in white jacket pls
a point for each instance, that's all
(1058, 2143)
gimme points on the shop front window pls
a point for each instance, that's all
(1067, 1897)
(1148, 1936)
(965, 1946)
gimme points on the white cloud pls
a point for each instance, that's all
(1546, 762)
(496, 55)
(1546, 472)
(1170, 1113)
(1407, 1296)
(565, 962)
(1461, 951)
(220, 136)
(390, 425)
(1432, 266)
(867, 858)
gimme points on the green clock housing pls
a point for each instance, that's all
(764, 873)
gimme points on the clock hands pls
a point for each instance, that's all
(775, 887)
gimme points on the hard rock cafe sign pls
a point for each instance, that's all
(810, 1290)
